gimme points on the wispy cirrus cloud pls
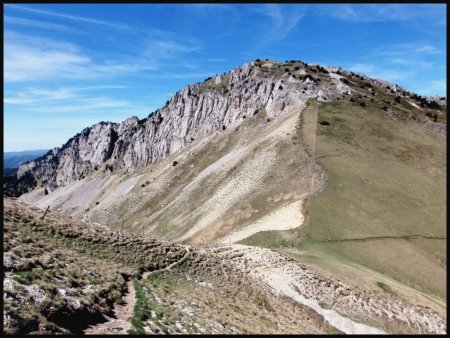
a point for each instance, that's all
(282, 20)
(41, 59)
(411, 49)
(30, 58)
(404, 63)
(13, 20)
(35, 96)
(382, 12)
(380, 72)
(168, 49)
(85, 105)
(109, 24)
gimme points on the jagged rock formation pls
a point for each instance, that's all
(195, 112)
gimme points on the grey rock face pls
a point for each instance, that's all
(193, 113)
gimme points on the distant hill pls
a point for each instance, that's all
(13, 159)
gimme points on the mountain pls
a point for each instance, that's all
(333, 171)
(13, 159)
(200, 110)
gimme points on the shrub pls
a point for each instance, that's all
(397, 99)
(432, 116)
(324, 123)
(363, 104)
(321, 69)
(433, 105)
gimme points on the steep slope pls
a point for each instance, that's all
(329, 167)
(73, 277)
(195, 112)
(61, 275)
(384, 204)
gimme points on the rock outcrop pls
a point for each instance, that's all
(195, 112)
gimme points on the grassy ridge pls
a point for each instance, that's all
(383, 207)
(61, 277)
(385, 181)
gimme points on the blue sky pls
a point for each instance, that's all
(67, 67)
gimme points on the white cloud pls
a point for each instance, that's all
(29, 58)
(22, 62)
(35, 96)
(119, 26)
(380, 72)
(417, 64)
(168, 49)
(411, 49)
(432, 87)
(12, 20)
(110, 24)
(427, 49)
(383, 12)
(83, 105)
(282, 20)
(364, 68)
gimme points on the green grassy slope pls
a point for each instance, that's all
(384, 204)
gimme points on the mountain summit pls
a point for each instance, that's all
(199, 110)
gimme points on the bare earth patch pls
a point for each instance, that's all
(285, 218)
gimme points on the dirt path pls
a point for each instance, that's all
(335, 300)
(182, 259)
(121, 324)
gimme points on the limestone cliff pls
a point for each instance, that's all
(193, 113)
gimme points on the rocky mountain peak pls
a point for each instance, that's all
(198, 110)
